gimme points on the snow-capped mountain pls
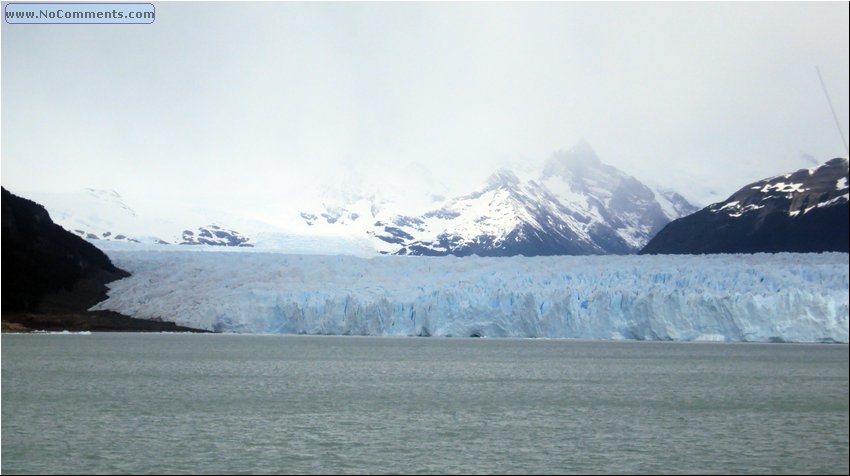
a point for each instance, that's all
(92, 214)
(104, 215)
(803, 211)
(575, 205)
(214, 235)
(109, 220)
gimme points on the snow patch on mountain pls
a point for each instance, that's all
(573, 204)
(794, 193)
(105, 216)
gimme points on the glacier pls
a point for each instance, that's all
(753, 298)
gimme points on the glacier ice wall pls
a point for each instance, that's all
(763, 297)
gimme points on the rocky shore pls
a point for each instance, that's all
(51, 277)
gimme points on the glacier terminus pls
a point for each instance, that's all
(748, 298)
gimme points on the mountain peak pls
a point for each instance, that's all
(502, 177)
(579, 206)
(837, 162)
(802, 211)
(580, 156)
(581, 153)
(583, 148)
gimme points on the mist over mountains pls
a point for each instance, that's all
(573, 204)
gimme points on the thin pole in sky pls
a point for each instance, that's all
(834, 116)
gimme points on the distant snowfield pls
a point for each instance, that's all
(270, 243)
(757, 298)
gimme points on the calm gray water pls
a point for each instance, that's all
(158, 403)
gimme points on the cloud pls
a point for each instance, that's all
(251, 102)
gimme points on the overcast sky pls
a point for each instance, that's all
(250, 104)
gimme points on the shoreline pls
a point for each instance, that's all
(92, 321)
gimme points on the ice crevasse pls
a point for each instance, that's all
(760, 298)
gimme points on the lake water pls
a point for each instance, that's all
(178, 403)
